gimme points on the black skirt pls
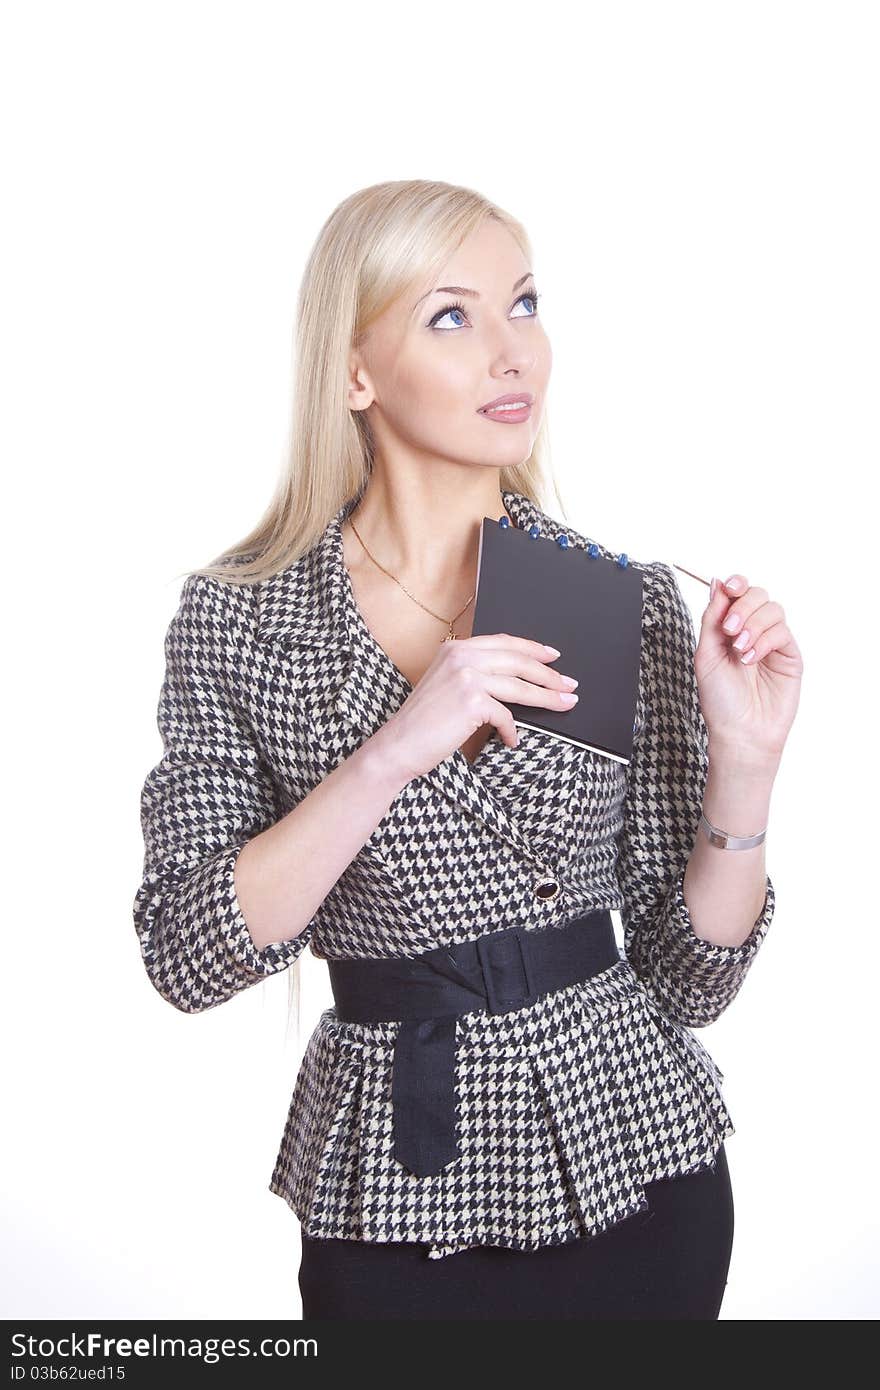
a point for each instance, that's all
(667, 1262)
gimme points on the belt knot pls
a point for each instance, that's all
(506, 968)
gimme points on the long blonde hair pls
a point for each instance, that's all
(378, 244)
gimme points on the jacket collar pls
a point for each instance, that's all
(304, 605)
(311, 604)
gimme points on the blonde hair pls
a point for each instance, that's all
(378, 244)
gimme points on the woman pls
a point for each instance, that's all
(336, 772)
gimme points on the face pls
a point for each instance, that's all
(437, 356)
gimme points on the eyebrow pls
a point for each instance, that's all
(460, 289)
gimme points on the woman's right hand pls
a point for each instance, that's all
(464, 688)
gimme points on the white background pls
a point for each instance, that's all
(700, 182)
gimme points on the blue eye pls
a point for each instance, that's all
(447, 309)
(533, 295)
(458, 308)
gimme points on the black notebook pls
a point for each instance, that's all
(590, 607)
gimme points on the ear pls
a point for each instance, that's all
(361, 392)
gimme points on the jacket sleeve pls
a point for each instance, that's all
(693, 980)
(202, 802)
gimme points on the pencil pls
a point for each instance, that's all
(707, 582)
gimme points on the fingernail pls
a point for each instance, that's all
(732, 582)
(554, 651)
(712, 587)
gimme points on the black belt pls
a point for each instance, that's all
(505, 970)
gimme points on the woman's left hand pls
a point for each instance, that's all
(748, 706)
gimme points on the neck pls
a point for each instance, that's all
(424, 533)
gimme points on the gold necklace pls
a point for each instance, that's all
(450, 622)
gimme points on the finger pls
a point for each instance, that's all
(722, 609)
(735, 585)
(513, 690)
(732, 613)
(759, 621)
(774, 638)
(501, 660)
(504, 722)
(724, 591)
(721, 601)
(500, 716)
(490, 641)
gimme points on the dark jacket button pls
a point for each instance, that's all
(547, 888)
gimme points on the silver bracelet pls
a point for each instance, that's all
(722, 840)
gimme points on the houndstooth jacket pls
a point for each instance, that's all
(565, 1108)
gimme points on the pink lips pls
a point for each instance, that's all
(513, 416)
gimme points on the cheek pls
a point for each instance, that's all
(543, 361)
(426, 376)
(431, 390)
